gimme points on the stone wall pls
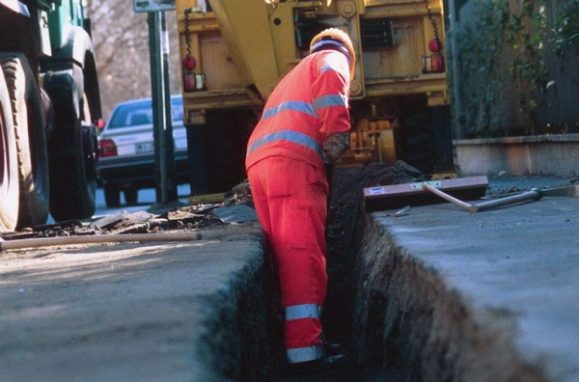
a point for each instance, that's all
(554, 155)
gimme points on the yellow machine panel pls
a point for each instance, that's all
(242, 48)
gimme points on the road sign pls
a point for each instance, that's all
(153, 5)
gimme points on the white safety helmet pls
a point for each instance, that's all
(334, 38)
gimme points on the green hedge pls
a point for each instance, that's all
(503, 74)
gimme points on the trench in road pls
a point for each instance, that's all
(394, 314)
(246, 336)
(257, 324)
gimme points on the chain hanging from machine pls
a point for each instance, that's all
(189, 62)
(432, 20)
(433, 63)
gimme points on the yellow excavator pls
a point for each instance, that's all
(234, 52)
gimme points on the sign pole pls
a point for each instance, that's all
(169, 142)
(165, 187)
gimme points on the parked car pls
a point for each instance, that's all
(127, 151)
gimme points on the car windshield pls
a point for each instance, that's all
(141, 113)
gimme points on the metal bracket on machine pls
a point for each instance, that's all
(346, 9)
(420, 185)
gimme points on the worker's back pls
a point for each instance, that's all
(293, 122)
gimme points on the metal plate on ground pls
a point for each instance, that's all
(235, 214)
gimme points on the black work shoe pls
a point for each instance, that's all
(330, 362)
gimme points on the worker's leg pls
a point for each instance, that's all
(296, 209)
(255, 177)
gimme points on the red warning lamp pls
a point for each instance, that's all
(189, 62)
(100, 125)
(435, 46)
(435, 62)
(189, 83)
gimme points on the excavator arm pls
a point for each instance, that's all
(249, 41)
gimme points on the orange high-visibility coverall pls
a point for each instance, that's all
(290, 189)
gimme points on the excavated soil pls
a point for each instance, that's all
(182, 218)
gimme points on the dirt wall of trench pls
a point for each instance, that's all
(406, 316)
(241, 340)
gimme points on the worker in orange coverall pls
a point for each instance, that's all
(304, 128)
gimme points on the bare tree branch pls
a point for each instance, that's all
(121, 48)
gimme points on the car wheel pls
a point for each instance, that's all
(131, 196)
(112, 196)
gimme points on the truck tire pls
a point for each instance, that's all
(131, 196)
(9, 184)
(75, 187)
(30, 133)
(72, 148)
(416, 135)
(225, 139)
(112, 196)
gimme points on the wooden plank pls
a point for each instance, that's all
(417, 188)
(413, 194)
(207, 198)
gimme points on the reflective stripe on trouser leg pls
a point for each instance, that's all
(297, 312)
(300, 319)
(304, 354)
(292, 210)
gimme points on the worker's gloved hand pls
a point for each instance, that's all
(334, 146)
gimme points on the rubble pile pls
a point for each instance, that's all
(240, 194)
(190, 217)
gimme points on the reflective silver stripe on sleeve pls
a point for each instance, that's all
(303, 107)
(334, 66)
(297, 312)
(286, 135)
(308, 353)
(327, 67)
(331, 66)
(329, 101)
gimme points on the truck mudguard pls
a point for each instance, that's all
(78, 44)
(77, 52)
(65, 88)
